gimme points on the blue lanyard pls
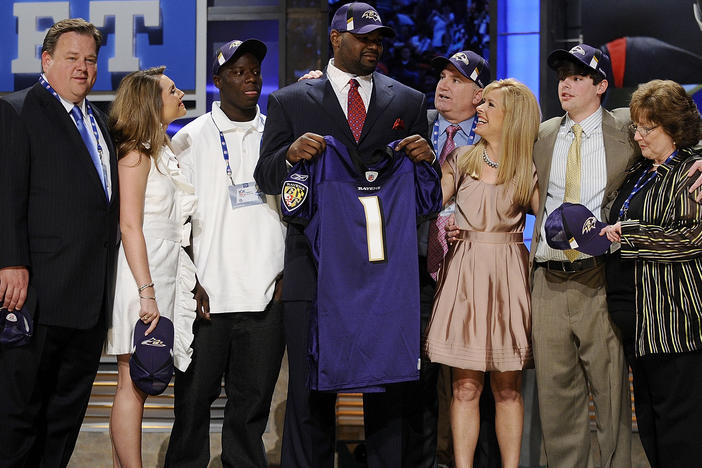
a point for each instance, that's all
(641, 183)
(225, 151)
(87, 106)
(435, 133)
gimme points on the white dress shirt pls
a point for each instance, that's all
(593, 175)
(340, 84)
(105, 157)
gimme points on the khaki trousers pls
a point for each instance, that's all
(576, 350)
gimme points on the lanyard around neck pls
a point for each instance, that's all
(88, 107)
(225, 151)
(435, 133)
(641, 183)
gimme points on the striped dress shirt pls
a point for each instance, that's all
(666, 244)
(593, 175)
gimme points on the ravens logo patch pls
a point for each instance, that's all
(294, 194)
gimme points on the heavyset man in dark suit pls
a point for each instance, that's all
(60, 237)
(298, 117)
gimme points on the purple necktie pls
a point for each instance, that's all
(437, 246)
(356, 110)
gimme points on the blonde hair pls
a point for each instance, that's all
(135, 115)
(520, 128)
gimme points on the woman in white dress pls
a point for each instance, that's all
(154, 274)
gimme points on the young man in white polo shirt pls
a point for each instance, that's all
(238, 245)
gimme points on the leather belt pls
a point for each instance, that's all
(568, 267)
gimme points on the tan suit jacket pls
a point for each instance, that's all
(620, 153)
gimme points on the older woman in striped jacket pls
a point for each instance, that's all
(655, 279)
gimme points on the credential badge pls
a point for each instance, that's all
(577, 50)
(371, 15)
(371, 175)
(294, 194)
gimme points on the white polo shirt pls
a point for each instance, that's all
(238, 251)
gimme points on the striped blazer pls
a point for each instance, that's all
(666, 244)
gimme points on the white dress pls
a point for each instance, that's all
(169, 202)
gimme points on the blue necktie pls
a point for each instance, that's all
(88, 140)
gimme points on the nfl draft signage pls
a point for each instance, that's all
(138, 34)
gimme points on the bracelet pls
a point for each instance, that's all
(147, 285)
(147, 297)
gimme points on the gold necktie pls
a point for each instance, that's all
(572, 185)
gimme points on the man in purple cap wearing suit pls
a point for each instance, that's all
(462, 77)
(580, 157)
(364, 111)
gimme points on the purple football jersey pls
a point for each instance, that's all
(361, 222)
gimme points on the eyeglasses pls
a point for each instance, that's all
(643, 131)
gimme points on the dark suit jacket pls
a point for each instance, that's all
(312, 106)
(56, 219)
(620, 153)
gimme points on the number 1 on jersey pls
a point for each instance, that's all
(375, 230)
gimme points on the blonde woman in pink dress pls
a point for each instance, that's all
(481, 320)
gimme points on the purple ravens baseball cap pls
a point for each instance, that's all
(469, 64)
(17, 327)
(592, 58)
(573, 226)
(232, 50)
(359, 18)
(151, 364)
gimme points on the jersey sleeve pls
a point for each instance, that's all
(296, 194)
(427, 184)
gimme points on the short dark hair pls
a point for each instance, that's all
(666, 103)
(78, 25)
(566, 68)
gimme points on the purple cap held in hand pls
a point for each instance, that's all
(573, 226)
(151, 364)
(17, 327)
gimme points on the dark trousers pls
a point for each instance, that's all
(667, 393)
(44, 391)
(310, 424)
(420, 404)
(246, 348)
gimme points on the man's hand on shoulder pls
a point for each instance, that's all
(416, 148)
(696, 169)
(13, 286)
(311, 75)
(307, 146)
